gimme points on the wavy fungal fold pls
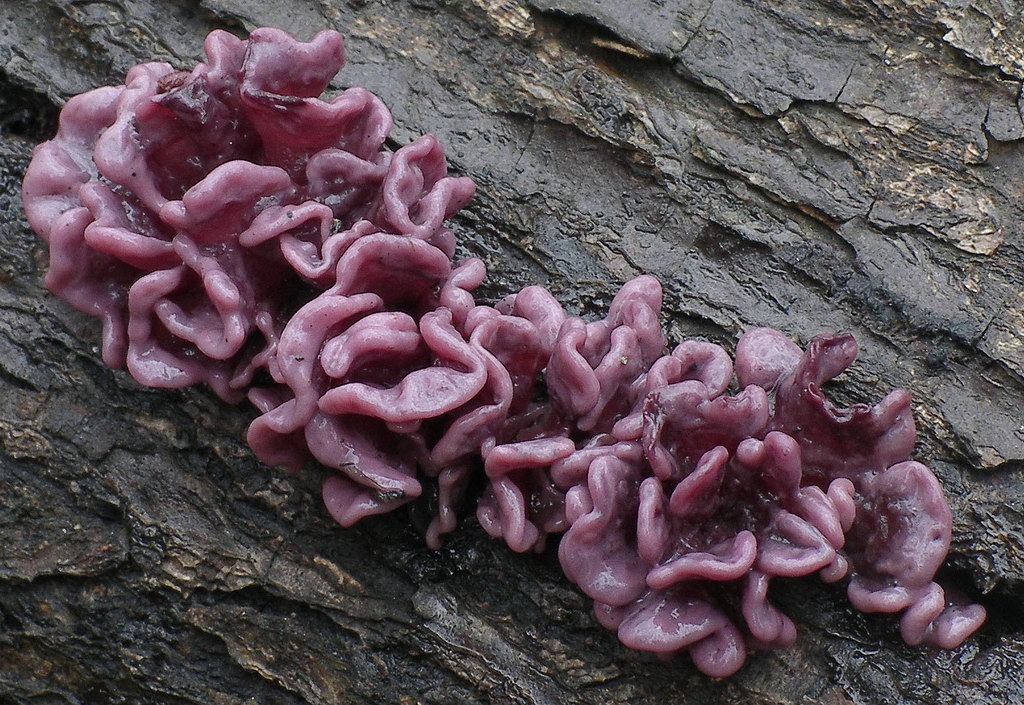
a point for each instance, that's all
(228, 226)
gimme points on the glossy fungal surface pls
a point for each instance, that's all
(228, 226)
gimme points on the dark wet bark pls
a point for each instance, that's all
(812, 166)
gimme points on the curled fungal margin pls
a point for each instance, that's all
(228, 226)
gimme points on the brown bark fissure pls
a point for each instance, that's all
(813, 166)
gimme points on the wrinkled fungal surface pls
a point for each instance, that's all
(230, 227)
(189, 211)
(700, 487)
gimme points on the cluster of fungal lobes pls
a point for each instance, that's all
(230, 227)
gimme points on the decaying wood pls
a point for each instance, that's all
(813, 166)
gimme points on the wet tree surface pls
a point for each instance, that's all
(812, 166)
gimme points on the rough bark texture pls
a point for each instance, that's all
(813, 166)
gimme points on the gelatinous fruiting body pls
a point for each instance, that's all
(230, 227)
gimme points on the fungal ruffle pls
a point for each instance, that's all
(679, 525)
(188, 211)
(230, 227)
(900, 533)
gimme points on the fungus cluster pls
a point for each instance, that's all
(229, 227)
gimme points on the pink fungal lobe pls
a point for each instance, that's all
(229, 226)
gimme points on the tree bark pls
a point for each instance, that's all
(811, 166)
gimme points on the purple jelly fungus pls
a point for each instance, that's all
(230, 227)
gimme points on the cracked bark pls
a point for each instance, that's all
(813, 166)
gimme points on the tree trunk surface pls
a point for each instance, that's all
(813, 166)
